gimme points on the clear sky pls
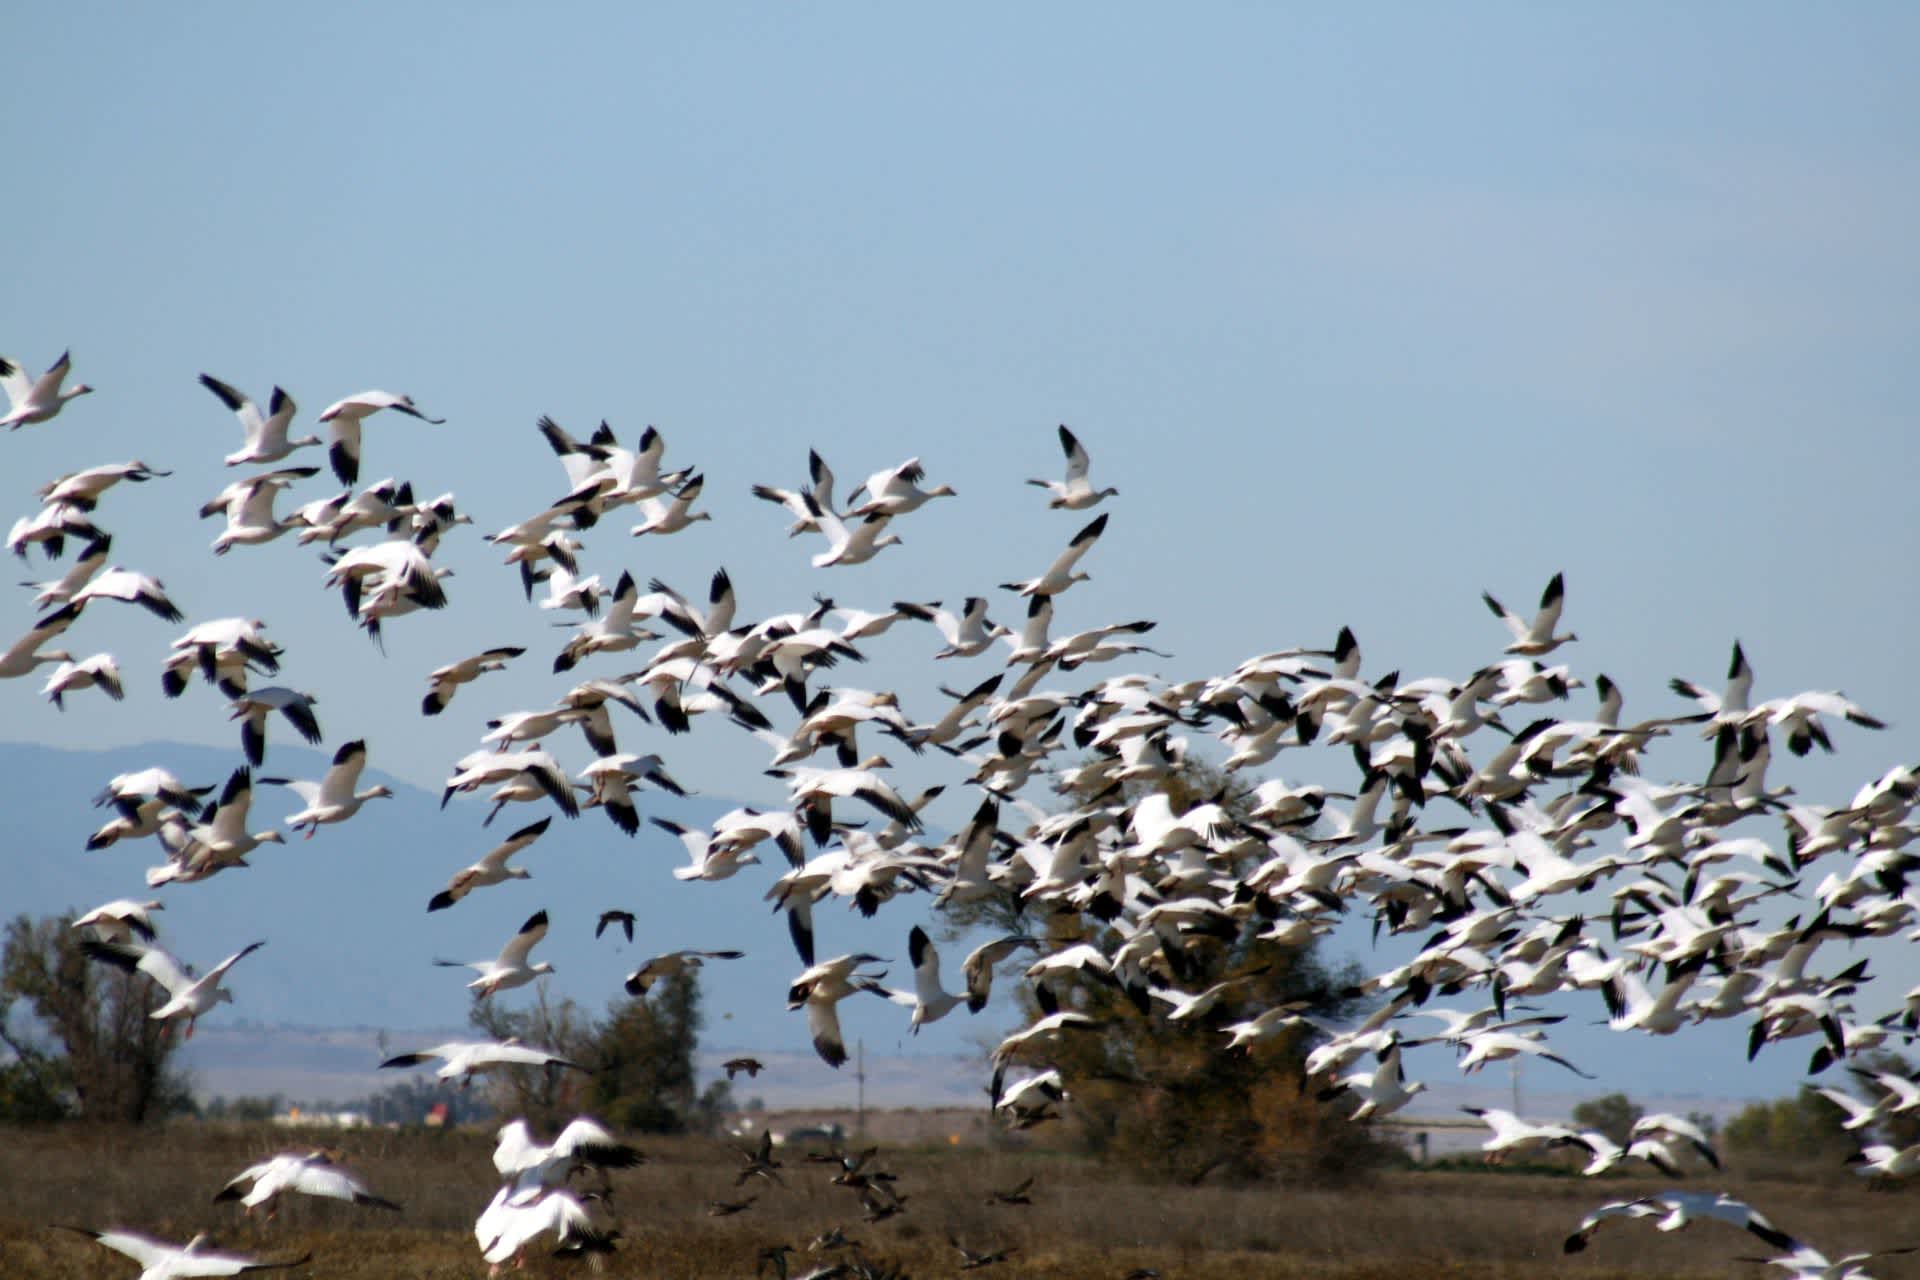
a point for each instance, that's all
(1364, 310)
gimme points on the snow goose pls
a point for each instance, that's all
(814, 790)
(532, 1167)
(307, 1173)
(1800, 716)
(50, 527)
(641, 980)
(970, 633)
(82, 489)
(346, 417)
(973, 1260)
(266, 434)
(1076, 492)
(481, 768)
(820, 989)
(1677, 1210)
(1061, 574)
(196, 851)
(896, 491)
(252, 710)
(929, 1001)
(1728, 706)
(675, 515)
(1532, 639)
(248, 507)
(1878, 1160)
(819, 488)
(580, 1224)
(161, 1261)
(463, 1059)
(445, 681)
(92, 556)
(98, 672)
(127, 587)
(614, 475)
(492, 867)
(397, 568)
(612, 777)
(121, 920)
(1382, 1091)
(24, 655)
(187, 996)
(333, 798)
(510, 969)
(223, 650)
(37, 399)
(848, 546)
(616, 630)
(1511, 1133)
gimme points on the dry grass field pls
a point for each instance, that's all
(1085, 1223)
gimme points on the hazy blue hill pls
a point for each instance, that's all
(350, 942)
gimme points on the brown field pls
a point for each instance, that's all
(1086, 1222)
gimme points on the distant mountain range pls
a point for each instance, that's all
(350, 942)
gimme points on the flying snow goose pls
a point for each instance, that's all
(532, 1167)
(1800, 715)
(1728, 706)
(50, 527)
(445, 681)
(929, 1001)
(641, 980)
(537, 768)
(579, 1222)
(463, 1059)
(333, 798)
(59, 590)
(127, 587)
(24, 655)
(510, 969)
(252, 710)
(121, 920)
(970, 633)
(492, 867)
(188, 996)
(979, 965)
(161, 1261)
(1076, 492)
(1061, 574)
(37, 399)
(307, 1173)
(896, 491)
(1677, 1210)
(820, 989)
(819, 488)
(612, 777)
(1511, 1133)
(346, 417)
(83, 488)
(847, 546)
(1532, 639)
(673, 515)
(223, 650)
(813, 792)
(266, 434)
(98, 672)
(248, 507)
(709, 859)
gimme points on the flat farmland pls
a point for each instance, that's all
(1086, 1220)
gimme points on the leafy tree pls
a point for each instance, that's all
(85, 1045)
(1803, 1128)
(1163, 1094)
(1612, 1114)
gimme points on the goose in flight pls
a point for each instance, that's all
(1061, 574)
(848, 546)
(82, 489)
(819, 488)
(252, 710)
(896, 491)
(333, 798)
(510, 969)
(162, 1261)
(672, 516)
(121, 920)
(820, 989)
(523, 775)
(1535, 638)
(266, 434)
(307, 1173)
(813, 792)
(248, 507)
(1677, 1210)
(223, 650)
(463, 1059)
(580, 1224)
(346, 417)
(1076, 492)
(970, 633)
(24, 655)
(37, 399)
(124, 586)
(533, 1167)
(98, 672)
(188, 997)
(492, 868)
(59, 590)
(929, 1001)
(641, 980)
(445, 681)
(711, 860)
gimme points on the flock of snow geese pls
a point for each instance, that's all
(1575, 873)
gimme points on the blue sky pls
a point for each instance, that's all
(1363, 311)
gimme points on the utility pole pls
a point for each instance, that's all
(1516, 1086)
(860, 1077)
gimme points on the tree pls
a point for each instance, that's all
(1162, 1093)
(639, 1060)
(88, 1047)
(1803, 1129)
(1612, 1114)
